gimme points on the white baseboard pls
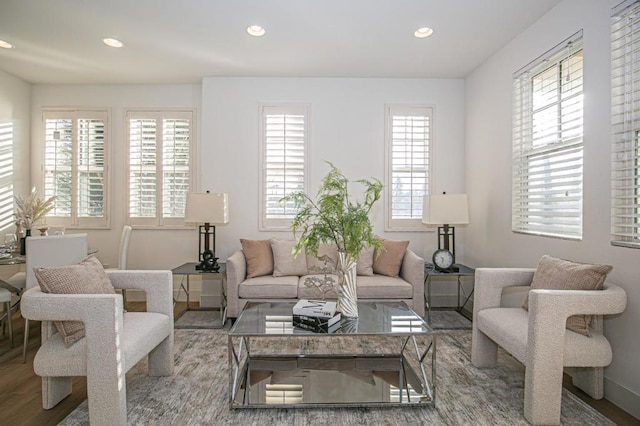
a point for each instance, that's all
(624, 398)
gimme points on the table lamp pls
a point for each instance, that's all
(211, 209)
(446, 210)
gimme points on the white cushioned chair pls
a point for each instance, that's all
(115, 341)
(539, 338)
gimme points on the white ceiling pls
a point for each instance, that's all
(182, 41)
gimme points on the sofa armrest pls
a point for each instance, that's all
(412, 271)
(236, 273)
(157, 285)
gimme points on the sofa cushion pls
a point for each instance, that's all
(560, 274)
(306, 291)
(259, 257)
(365, 262)
(87, 277)
(284, 262)
(388, 261)
(316, 264)
(383, 287)
(269, 287)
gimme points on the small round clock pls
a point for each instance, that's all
(442, 259)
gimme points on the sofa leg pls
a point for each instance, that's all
(484, 351)
(54, 390)
(590, 380)
(161, 358)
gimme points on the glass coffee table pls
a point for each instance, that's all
(386, 357)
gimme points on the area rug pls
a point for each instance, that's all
(199, 319)
(197, 393)
(449, 320)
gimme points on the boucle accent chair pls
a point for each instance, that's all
(539, 338)
(114, 341)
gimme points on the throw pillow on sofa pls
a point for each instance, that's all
(389, 261)
(559, 274)
(284, 263)
(315, 265)
(365, 262)
(259, 257)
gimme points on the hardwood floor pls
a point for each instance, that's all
(21, 404)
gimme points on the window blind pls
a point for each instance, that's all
(284, 139)
(408, 147)
(548, 143)
(6, 175)
(75, 167)
(159, 166)
(625, 146)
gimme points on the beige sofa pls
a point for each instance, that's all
(407, 286)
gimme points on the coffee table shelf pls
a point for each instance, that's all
(385, 358)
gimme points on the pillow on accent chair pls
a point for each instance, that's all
(389, 261)
(365, 262)
(559, 274)
(87, 277)
(259, 257)
(284, 263)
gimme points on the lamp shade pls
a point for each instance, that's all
(449, 209)
(207, 207)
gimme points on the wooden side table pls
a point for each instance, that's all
(187, 270)
(463, 271)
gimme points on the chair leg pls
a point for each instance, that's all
(543, 392)
(590, 380)
(9, 320)
(161, 358)
(107, 396)
(54, 390)
(26, 341)
(484, 351)
(124, 299)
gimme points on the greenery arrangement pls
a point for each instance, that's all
(335, 217)
(30, 210)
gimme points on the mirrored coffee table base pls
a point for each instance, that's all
(386, 358)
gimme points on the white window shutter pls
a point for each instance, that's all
(7, 210)
(548, 144)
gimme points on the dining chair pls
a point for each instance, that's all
(5, 299)
(55, 250)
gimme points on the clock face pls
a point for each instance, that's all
(442, 259)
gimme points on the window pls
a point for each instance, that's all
(76, 146)
(625, 141)
(548, 143)
(159, 166)
(284, 135)
(6, 175)
(408, 147)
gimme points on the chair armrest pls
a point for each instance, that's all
(489, 283)
(236, 273)
(40, 306)
(412, 271)
(157, 285)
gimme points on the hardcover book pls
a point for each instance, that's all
(316, 324)
(315, 308)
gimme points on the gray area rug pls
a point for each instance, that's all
(199, 319)
(197, 392)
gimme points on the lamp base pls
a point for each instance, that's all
(209, 262)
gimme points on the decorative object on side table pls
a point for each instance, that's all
(210, 209)
(29, 211)
(446, 210)
(334, 218)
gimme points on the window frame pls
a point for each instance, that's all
(559, 218)
(159, 114)
(284, 224)
(625, 128)
(413, 224)
(74, 114)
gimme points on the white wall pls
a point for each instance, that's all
(149, 249)
(489, 240)
(347, 128)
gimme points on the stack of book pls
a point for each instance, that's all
(319, 316)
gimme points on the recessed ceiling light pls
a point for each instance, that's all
(423, 32)
(6, 44)
(112, 42)
(256, 30)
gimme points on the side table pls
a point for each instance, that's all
(463, 271)
(187, 270)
